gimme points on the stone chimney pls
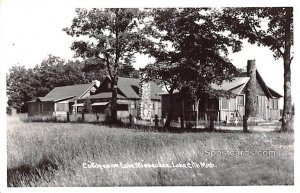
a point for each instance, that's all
(97, 83)
(251, 103)
(145, 103)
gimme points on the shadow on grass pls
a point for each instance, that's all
(25, 174)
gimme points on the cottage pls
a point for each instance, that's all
(61, 100)
(265, 102)
(137, 98)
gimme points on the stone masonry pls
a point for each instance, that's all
(145, 105)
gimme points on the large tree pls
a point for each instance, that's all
(190, 48)
(25, 84)
(55, 71)
(271, 27)
(17, 87)
(110, 35)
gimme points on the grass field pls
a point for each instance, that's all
(55, 154)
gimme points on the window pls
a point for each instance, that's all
(61, 106)
(132, 105)
(225, 103)
(79, 109)
(240, 100)
(108, 85)
(274, 103)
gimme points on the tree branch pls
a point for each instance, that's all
(261, 39)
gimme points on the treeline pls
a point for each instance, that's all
(24, 84)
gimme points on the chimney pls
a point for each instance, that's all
(251, 103)
(145, 103)
(97, 83)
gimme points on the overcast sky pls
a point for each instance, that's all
(31, 29)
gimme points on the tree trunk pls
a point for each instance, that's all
(251, 93)
(170, 111)
(197, 112)
(182, 117)
(114, 116)
(287, 116)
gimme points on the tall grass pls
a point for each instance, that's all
(52, 154)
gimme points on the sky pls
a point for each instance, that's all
(31, 30)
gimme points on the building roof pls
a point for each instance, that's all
(236, 85)
(104, 95)
(65, 92)
(130, 87)
(126, 86)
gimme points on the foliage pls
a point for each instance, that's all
(17, 87)
(54, 72)
(262, 25)
(25, 84)
(271, 27)
(190, 48)
(112, 37)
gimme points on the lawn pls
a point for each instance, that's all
(74, 154)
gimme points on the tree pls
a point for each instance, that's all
(25, 84)
(17, 87)
(273, 28)
(113, 38)
(190, 49)
(55, 71)
(94, 70)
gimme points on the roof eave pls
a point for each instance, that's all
(62, 99)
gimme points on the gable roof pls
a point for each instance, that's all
(129, 87)
(235, 86)
(126, 86)
(104, 95)
(65, 92)
(238, 84)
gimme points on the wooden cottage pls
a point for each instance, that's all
(61, 100)
(134, 97)
(264, 101)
